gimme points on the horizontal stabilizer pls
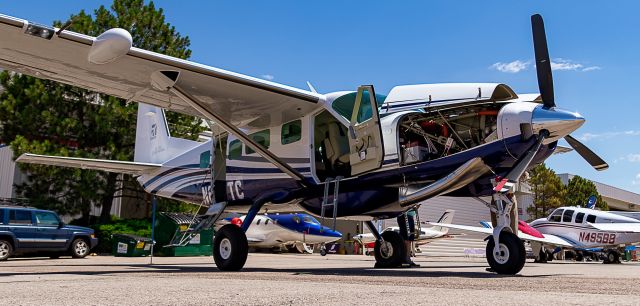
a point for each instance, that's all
(617, 227)
(133, 168)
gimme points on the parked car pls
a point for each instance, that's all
(26, 230)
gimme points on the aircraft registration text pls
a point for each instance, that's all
(597, 237)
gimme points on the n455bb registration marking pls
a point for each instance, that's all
(597, 237)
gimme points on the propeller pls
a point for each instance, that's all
(543, 62)
(545, 85)
(594, 160)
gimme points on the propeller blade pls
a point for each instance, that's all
(594, 160)
(543, 62)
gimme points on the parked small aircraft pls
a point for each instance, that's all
(574, 228)
(293, 231)
(350, 154)
(424, 235)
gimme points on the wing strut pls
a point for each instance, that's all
(166, 80)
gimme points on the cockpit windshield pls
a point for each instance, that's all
(311, 220)
(344, 105)
(556, 216)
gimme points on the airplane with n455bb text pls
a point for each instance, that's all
(357, 155)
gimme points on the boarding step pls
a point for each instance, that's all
(191, 226)
(325, 199)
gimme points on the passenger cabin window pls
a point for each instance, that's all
(556, 216)
(235, 149)
(262, 138)
(47, 218)
(20, 217)
(566, 217)
(291, 132)
(591, 218)
(205, 159)
(579, 217)
(344, 106)
(258, 222)
(266, 222)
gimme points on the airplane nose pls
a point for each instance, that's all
(557, 121)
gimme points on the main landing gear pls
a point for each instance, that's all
(230, 248)
(389, 249)
(230, 245)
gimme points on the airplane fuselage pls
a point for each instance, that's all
(575, 224)
(421, 146)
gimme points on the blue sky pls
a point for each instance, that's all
(338, 45)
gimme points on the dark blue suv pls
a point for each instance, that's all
(25, 230)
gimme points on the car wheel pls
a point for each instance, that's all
(6, 249)
(79, 248)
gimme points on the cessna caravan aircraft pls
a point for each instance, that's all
(354, 155)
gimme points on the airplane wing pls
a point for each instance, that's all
(548, 239)
(99, 65)
(618, 227)
(133, 168)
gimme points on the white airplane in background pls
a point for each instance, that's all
(349, 154)
(299, 231)
(426, 233)
(574, 228)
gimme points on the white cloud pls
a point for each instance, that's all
(637, 180)
(564, 64)
(267, 77)
(512, 67)
(591, 68)
(634, 158)
(607, 135)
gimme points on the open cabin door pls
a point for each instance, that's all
(365, 134)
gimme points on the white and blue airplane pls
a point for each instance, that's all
(293, 231)
(575, 228)
(354, 155)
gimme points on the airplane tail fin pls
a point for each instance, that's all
(154, 143)
(446, 218)
(591, 202)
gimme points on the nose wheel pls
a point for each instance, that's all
(230, 248)
(509, 257)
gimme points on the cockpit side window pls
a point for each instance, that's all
(579, 217)
(556, 216)
(568, 214)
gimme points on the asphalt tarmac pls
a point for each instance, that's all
(287, 279)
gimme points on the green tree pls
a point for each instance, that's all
(45, 117)
(548, 191)
(579, 190)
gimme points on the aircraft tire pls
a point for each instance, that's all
(230, 248)
(613, 257)
(549, 256)
(514, 254)
(395, 253)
